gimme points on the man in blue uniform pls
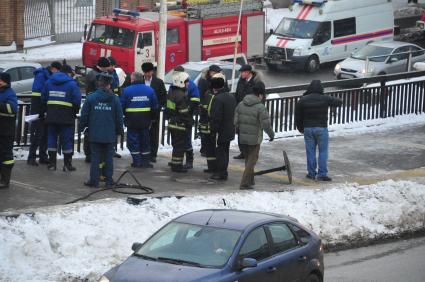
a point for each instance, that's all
(62, 100)
(193, 96)
(139, 102)
(8, 109)
(102, 114)
(38, 133)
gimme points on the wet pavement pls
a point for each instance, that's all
(401, 261)
(365, 159)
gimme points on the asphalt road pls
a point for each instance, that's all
(401, 261)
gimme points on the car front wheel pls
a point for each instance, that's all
(312, 64)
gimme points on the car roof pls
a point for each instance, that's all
(390, 44)
(199, 66)
(230, 219)
(7, 64)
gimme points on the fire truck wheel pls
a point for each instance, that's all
(272, 67)
(312, 64)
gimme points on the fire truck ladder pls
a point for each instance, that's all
(222, 9)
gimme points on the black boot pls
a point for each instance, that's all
(189, 160)
(52, 160)
(67, 163)
(6, 172)
(178, 168)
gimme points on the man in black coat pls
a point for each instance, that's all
(311, 117)
(161, 94)
(247, 81)
(222, 112)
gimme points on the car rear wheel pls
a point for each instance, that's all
(313, 278)
(312, 64)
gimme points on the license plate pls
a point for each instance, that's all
(344, 75)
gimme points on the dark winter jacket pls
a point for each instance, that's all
(251, 118)
(312, 109)
(138, 102)
(158, 86)
(41, 75)
(61, 99)
(8, 110)
(177, 111)
(222, 113)
(102, 114)
(247, 87)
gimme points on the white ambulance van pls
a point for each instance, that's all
(313, 32)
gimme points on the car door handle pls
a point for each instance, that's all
(302, 259)
(271, 269)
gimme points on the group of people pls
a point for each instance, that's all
(56, 98)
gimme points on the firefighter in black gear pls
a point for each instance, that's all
(8, 109)
(179, 119)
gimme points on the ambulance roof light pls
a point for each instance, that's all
(310, 2)
(123, 12)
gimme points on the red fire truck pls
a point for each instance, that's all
(198, 32)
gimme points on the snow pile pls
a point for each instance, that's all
(85, 240)
(70, 51)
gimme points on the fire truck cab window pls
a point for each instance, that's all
(145, 40)
(112, 35)
(173, 36)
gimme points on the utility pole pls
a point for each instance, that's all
(162, 39)
(236, 48)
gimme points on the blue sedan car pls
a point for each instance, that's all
(225, 246)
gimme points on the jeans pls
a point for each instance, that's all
(101, 151)
(316, 137)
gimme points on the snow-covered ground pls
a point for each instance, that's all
(84, 240)
(69, 51)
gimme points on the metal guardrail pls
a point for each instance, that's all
(359, 103)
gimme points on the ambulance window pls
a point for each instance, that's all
(344, 27)
(145, 40)
(173, 36)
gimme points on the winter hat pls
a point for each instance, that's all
(214, 68)
(103, 62)
(66, 69)
(5, 77)
(315, 87)
(147, 67)
(112, 61)
(57, 65)
(245, 68)
(218, 81)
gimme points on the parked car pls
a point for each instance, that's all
(195, 70)
(225, 246)
(384, 58)
(21, 74)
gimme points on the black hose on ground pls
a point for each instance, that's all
(119, 188)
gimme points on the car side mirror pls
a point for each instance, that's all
(271, 31)
(136, 246)
(248, 263)
(393, 60)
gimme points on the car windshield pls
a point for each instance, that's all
(112, 35)
(297, 28)
(193, 74)
(372, 51)
(200, 246)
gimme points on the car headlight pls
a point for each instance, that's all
(298, 51)
(104, 279)
(337, 67)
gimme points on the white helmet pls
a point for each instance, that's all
(179, 79)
